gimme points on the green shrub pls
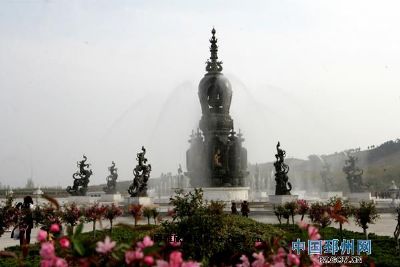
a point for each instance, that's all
(208, 234)
(365, 214)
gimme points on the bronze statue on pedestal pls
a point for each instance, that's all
(81, 179)
(283, 187)
(111, 187)
(138, 188)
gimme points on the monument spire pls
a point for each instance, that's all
(213, 65)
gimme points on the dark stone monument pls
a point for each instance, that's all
(138, 188)
(283, 187)
(216, 157)
(81, 179)
(111, 187)
(353, 175)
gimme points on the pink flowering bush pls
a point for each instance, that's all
(112, 212)
(302, 207)
(320, 214)
(8, 215)
(108, 253)
(93, 214)
(71, 215)
(272, 254)
(136, 211)
(46, 215)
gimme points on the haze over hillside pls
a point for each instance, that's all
(381, 165)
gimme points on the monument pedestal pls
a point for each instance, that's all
(281, 199)
(144, 201)
(225, 194)
(328, 195)
(358, 197)
(82, 200)
(111, 198)
(259, 195)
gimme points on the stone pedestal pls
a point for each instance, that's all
(225, 194)
(281, 199)
(259, 195)
(111, 198)
(358, 197)
(82, 200)
(328, 195)
(144, 201)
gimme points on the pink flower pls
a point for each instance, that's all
(162, 263)
(64, 242)
(293, 259)
(260, 260)
(147, 242)
(148, 260)
(47, 251)
(302, 225)
(106, 246)
(42, 236)
(54, 228)
(257, 244)
(279, 264)
(315, 261)
(131, 256)
(245, 262)
(175, 259)
(190, 264)
(46, 263)
(280, 255)
(313, 233)
(60, 262)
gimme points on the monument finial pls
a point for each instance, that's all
(213, 65)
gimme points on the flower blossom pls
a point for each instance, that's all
(132, 255)
(245, 262)
(293, 259)
(60, 262)
(148, 260)
(260, 260)
(55, 228)
(175, 259)
(42, 236)
(302, 225)
(64, 242)
(47, 251)
(147, 242)
(106, 246)
(313, 233)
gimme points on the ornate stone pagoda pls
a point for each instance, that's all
(216, 157)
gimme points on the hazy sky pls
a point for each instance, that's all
(106, 77)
